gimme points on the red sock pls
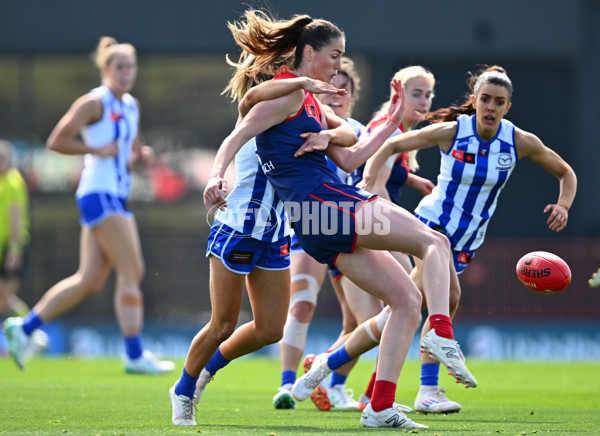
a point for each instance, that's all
(371, 385)
(442, 325)
(384, 395)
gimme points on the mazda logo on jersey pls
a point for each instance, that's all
(464, 156)
(505, 161)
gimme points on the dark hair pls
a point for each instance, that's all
(494, 75)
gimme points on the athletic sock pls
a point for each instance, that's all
(133, 347)
(430, 373)
(31, 323)
(384, 395)
(338, 358)
(371, 385)
(442, 325)
(186, 385)
(288, 377)
(337, 379)
(216, 362)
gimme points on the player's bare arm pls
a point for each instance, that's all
(64, 138)
(530, 146)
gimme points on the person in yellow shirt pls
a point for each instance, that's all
(14, 237)
(14, 231)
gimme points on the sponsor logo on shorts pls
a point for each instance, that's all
(240, 257)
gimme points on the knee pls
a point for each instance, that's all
(222, 331)
(269, 335)
(90, 284)
(413, 306)
(441, 242)
(303, 311)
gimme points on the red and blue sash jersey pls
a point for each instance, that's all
(294, 177)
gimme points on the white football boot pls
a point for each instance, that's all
(432, 399)
(447, 351)
(341, 398)
(283, 399)
(305, 385)
(392, 417)
(184, 409)
(148, 363)
(204, 379)
(594, 281)
(18, 341)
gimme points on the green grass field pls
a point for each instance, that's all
(94, 397)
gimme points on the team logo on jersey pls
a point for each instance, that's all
(464, 257)
(505, 161)
(463, 156)
(115, 116)
(284, 249)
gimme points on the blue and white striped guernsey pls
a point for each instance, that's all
(253, 207)
(472, 174)
(119, 122)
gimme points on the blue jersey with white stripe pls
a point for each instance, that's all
(253, 207)
(472, 175)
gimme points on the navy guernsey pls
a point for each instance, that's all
(294, 177)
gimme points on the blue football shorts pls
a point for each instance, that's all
(94, 208)
(242, 253)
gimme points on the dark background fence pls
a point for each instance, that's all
(551, 49)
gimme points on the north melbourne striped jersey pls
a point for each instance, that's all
(253, 207)
(472, 175)
(119, 122)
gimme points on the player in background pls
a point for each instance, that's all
(479, 150)
(358, 246)
(399, 170)
(249, 242)
(14, 239)
(107, 118)
(419, 86)
(307, 280)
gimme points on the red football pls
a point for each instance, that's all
(543, 272)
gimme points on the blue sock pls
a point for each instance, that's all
(133, 346)
(430, 373)
(337, 379)
(216, 362)
(288, 377)
(31, 323)
(186, 385)
(338, 358)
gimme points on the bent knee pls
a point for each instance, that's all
(269, 336)
(303, 311)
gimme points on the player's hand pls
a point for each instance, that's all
(213, 194)
(145, 155)
(109, 150)
(421, 184)
(397, 102)
(559, 215)
(314, 141)
(319, 87)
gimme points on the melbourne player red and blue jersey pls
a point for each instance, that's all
(294, 177)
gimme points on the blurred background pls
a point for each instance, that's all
(550, 48)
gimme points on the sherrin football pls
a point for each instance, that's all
(543, 272)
